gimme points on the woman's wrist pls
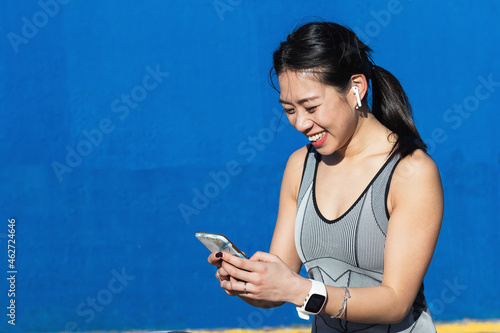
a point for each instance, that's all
(299, 290)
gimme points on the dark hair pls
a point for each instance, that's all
(333, 53)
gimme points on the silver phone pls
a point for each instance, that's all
(219, 243)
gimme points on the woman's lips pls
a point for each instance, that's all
(320, 141)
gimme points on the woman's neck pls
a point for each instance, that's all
(369, 138)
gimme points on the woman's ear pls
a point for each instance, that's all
(359, 81)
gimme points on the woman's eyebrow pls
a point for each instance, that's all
(301, 101)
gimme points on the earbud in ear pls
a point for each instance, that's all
(358, 99)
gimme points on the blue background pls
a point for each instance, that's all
(105, 241)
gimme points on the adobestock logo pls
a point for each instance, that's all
(248, 149)
(381, 19)
(456, 115)
(121, 107)
(103, 298)
(257, 317)
(222, 6)
(449, 294)
(30, 28)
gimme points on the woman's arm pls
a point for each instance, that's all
(415, 204)
(283, 243)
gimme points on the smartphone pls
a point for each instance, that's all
(219, 243)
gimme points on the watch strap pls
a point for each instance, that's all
(318, 289)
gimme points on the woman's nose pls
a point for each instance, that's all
(302, 122)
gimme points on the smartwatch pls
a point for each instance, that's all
(314, 301)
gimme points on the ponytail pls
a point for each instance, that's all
(392, 108)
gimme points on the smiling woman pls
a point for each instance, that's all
(361, 206)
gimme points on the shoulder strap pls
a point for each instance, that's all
(380, 190)
(308, 173)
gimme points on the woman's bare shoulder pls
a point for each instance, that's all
(416, 166)
(297, 157)
(293, 171)
(415, 176)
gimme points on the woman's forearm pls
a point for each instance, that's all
(368, 304)
(263, 304)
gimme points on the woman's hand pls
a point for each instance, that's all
(263, 277)
(216, 259)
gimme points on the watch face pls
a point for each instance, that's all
(315, 303)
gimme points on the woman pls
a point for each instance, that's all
(361, 206)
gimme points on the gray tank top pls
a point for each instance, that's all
(349, 251)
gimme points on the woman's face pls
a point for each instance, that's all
(318, 111)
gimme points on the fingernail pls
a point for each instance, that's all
(218, 255)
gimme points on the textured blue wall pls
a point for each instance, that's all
(127, 126)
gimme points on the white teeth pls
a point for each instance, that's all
(316, 137)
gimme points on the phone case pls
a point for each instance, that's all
(218, 243)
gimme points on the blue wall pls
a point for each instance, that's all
(127, 126)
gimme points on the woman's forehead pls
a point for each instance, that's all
(298, 86)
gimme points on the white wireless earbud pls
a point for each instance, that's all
(356, 91)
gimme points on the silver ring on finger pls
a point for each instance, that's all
(245, 288)
(218, 275)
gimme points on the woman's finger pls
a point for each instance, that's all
(215, 259)
(263, 256)
(236, 287)
(237, 273)
(241, 263)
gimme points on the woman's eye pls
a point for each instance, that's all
(289, 111)
(311, 109)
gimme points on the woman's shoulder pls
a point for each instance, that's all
(415, 172)
(298, 157)
(415, 181)
(416, 164)
(294, 169)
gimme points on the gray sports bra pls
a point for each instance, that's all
(349, 251)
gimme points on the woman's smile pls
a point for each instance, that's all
(317, 140)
